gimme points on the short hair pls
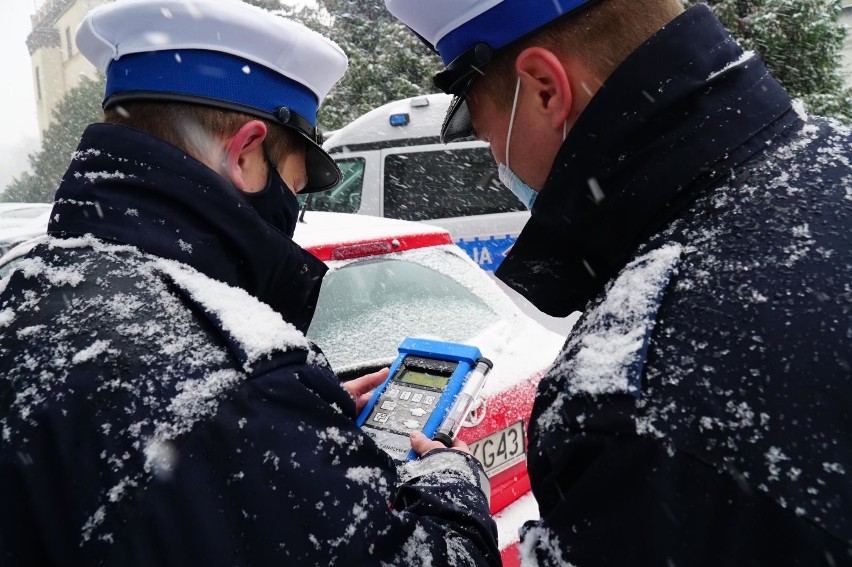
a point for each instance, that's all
(602, 36)
(192, 127)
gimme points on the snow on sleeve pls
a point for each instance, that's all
(614, 335)
(91, 352)
(257, 328)
(539, 542)
(6, 317)
(602, 357)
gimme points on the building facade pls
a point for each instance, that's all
(57, 65)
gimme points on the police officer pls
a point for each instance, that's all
(159, 404)
(699, 411)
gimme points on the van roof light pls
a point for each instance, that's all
(419, 102)
(399, 119)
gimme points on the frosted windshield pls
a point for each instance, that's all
(367, 307)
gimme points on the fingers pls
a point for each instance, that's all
(366, 383)
(422, 444)
(461, 446)
(360, 389)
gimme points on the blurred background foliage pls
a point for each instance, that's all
(801, 43)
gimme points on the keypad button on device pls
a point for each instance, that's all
(388, 405)
(429, 400)
(393, 392)
(381, 417)
(405, 395)
(418, 412)
(411, 423)
(416, 397)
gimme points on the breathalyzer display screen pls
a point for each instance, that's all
(419, 378)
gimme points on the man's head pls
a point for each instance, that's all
(545, 58)
(229, 83)
(238, 146)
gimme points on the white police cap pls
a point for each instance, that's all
(467, 34)
(222, 53)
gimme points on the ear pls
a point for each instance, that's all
(543, 74)
(244, 157)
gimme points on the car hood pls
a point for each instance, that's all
(519, 348)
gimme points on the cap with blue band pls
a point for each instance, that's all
(468, 33)
(210, 75)
(503, 24)
(221, 53)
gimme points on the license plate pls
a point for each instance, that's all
(500, 450)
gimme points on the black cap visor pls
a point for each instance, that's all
(323, 173)
(457, 124)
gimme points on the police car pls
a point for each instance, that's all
(395, 166)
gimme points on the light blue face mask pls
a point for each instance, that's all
(521, 190)
(525, 194)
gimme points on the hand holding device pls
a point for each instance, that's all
(422, 392)
(423, 445)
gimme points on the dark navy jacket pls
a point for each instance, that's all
(701, 410)
(159, 406)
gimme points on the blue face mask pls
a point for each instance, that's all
(521, 190)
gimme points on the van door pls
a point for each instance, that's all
(454, 186)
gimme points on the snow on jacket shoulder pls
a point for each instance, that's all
(151, 415)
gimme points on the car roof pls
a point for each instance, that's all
(341, 236)
(10, 207)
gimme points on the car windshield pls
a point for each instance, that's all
(367, 307)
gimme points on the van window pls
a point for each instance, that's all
(445, 183)
(346, 197)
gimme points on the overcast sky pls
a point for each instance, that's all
(17, 99)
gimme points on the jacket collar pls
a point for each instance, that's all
(680, 112)
(127, 186)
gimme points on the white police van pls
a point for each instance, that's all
(394, 165)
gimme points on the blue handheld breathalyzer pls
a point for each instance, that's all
(431, 387)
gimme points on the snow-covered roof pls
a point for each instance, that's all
(425, 116)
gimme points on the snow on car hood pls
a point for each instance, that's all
(519, 349)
